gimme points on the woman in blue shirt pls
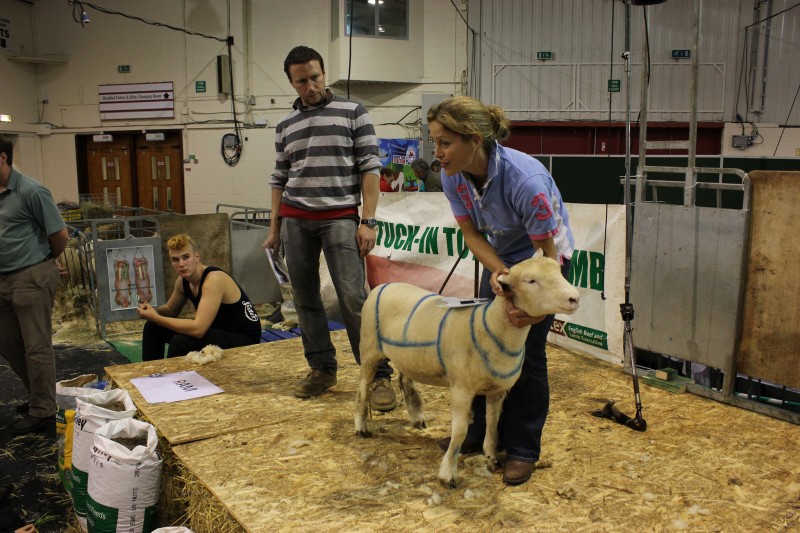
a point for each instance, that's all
(507, 206)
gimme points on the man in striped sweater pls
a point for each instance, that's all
(326, 166)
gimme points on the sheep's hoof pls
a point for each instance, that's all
(364, 433)
(420, 425)
(448, 483)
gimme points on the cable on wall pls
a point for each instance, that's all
(783, 130)
(744, 64)
(350, 49)
(231, 144)
(473, 70)
(79, 6)
(610, 76)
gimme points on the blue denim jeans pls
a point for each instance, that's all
(528, 402)
(336, 238)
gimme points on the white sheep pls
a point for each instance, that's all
(472, 350)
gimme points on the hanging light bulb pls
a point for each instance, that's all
(84, 18)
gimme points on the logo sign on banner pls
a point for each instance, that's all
(398, 154)
(137, 100)
(419, 241)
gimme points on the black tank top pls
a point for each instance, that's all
(240, 317)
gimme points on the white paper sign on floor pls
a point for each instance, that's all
(166, 388)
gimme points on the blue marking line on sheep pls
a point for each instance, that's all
(495, 338)
(405, 343)
(485, 355)
(439, 341)
(411, 314)
(378, 317)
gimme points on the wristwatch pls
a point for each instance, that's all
(370, 222)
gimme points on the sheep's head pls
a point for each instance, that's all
(539, 288)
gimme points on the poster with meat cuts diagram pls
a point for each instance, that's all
(131, 276)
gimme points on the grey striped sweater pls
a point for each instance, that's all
(321, 153)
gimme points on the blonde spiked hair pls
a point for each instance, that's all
(177, 242)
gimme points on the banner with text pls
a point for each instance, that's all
(419, 243)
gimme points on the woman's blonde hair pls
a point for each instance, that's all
(467, 116)
(177, 242)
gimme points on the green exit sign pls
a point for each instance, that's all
(123, 68)
(200, 86)
(681, 54)
(544, 56)
(613, 86)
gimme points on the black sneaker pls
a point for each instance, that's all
(314, 383)
(30, 423)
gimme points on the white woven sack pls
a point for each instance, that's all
(89, 416)
(66, 392)
(124, 484)
(173, 530)
(288, 311)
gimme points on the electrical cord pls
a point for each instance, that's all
(78, 9)
(231, 144)
(744, 63)
(350, 49)
(610, 76)
(462, 17)
(474, 70)
(783, 130)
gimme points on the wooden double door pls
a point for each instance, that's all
(130, 170)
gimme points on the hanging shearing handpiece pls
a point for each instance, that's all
(638, 423)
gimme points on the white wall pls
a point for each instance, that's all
(587, 38)
(17, 80)
(263, 34)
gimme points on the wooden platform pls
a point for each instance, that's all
(270, 462)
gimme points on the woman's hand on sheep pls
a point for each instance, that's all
(520, 318)
(497, 287)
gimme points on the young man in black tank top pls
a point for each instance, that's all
(224, 314)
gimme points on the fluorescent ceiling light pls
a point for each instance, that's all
(373, 2)
(5, 118)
